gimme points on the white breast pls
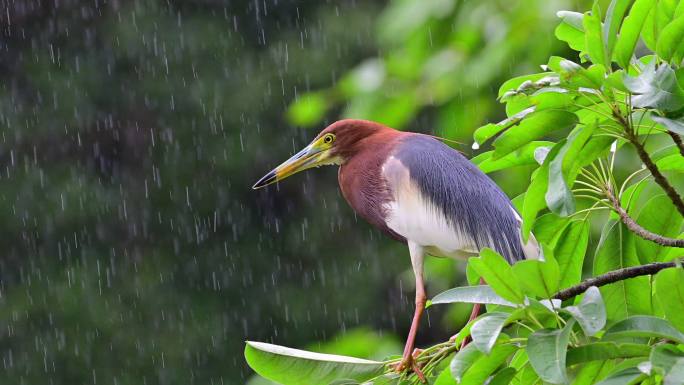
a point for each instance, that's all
(414, 217)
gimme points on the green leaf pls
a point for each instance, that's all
(292, 366)
(674, 162)
(548, 228)
(470, 294)
(676, 374)
(671, 124)
(625, 377)
(532, 127)
(569, 252)
(593, 39)
(463, 360)
(547, 351)
(488, 131)
(534, 197)
(614, 15)
(496, 271)
(445, 378)
(659, 216)
(630, 31)
(571, 29)
(616, 250)
(655, 88)
(645, 326)
(539, 278)
(503, 377)
(485, 331)
(664, 357)
(601, 351)
(307, 110)
(670, 41)
(590, 313)
(590, 373)
(485, 365)
(522, 157)
(516, 82)
(669, 292)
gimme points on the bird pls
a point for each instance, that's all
(419, 191)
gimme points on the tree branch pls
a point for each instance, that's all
(678, 141)
(637, 229)
(657, 175)
(612, 277)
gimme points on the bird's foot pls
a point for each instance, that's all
(410, 363)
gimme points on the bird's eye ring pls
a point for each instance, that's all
(328, 138)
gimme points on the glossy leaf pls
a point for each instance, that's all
(676, 375)
(645, 326)
(538, 278)
(616, 250)
(488, 131)
(524, 156)
(655, 88)
(463, 360)
(470, 294)
(664, 357)
(292, 366)
(502, 377)
(534, 197)
(533, 127)
(670, 41)
(570, 250)
(671, 124)
(624, 377)
(630, 31)
(614, 16)
(593, 36)
(590, 313)
(571, 30)
(661, 217)
(548, 229)
(483, 367)
(485, 331)
(591, 372)
(600, 351)
(496, 271)
(669, 293)
(547, 351)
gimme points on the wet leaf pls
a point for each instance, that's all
(602, 351)
(496, 271)
(470, 294)
(486, 330)
(669, 293)
(590, 313)
(547, 351)
(630, 31)
(645, 326)
(533, 127)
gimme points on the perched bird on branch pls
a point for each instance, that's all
(418, 191)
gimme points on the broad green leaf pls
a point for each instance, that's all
(522, 157)
(516, 82)
(664, 357)
(534, 197)
(488, 131)
(445, 378)
(548, 229)
(292, 366)
(485, 365)
(676, 374)
(594, 148)
(645, 326)
(661, 217)
(624, 377)
(463, 360)
(533, 127)
(470, 294)
(593, 38)
(590, 313)
(614, 15)
(592, 372)
(674, 162)
(569, 252)
(601, 351)
(669, 292)
(615, 251)
(503, 377)
(485, 331)
(671, 124)
(655, 88)
(496, 271)
(630, 31)
(538, 278)
(308, 110)
(670, 41)
(547, 351)
(571, 30)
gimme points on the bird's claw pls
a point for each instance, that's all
(410, 363)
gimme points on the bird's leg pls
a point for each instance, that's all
(473, 314)
(407, 360)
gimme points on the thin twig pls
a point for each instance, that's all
(636, 228)
(678, 141)
(612, 277)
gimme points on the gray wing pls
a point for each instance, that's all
(471, 202)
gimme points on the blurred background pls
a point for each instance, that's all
(132, 247)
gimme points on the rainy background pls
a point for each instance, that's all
(134, 250)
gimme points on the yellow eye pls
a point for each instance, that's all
(328, 138)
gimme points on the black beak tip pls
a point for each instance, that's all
(265, 180)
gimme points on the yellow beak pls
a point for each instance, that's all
(307, 158)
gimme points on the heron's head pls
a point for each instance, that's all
(334, 145)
